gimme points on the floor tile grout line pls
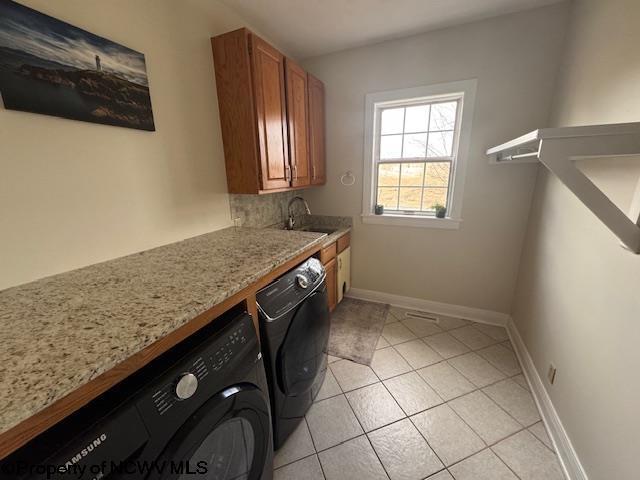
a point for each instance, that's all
(545, 429)
(313, 445)
(480, 389)
(505, 463)
(422, 380)
(470, 349)
(512, 435)
(479, 452)
(468, 393)
(298, 460)
(356, 415)
(505, 410)
(444, 465)
(453, 398)
(366, 436)
(507, 375)
(408, 363)
(412, 370)
(375, 452)
(472, 382)
(410, 418)
(493, 364)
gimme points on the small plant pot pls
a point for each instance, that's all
(441, 213)
(378, 209)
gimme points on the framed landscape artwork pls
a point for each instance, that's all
(51, 67)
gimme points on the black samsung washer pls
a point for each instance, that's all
(200, 411)
(294, 328)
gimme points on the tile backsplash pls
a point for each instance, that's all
(262, 210)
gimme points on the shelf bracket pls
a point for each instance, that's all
(559, 149)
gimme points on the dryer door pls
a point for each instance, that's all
(304, 348)
(228, 438)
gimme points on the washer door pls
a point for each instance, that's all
(302, 352)
(228, 438)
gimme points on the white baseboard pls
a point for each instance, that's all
(458, 311)
(571, 465)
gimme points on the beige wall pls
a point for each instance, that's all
(577, 301)
(74, 193)
(515, 66)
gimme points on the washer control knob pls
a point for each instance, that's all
(302, 280)
(186, 386)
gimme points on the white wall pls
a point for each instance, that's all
(74, 193)
(577, 301)
(515, 60)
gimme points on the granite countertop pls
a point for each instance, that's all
(60, 332)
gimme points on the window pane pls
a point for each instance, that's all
(410, 198)
(391, 146)
(415, 145)
(389, 174)
(432, 196)
(412, 174)
(388, 197)
(391, 121)
(417, 119)
(443, 116)
(440, 144)
(437, 174)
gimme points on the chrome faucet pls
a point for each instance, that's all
(291, 221)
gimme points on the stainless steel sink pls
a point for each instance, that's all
(311, 228)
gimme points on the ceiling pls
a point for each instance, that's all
(305, 28)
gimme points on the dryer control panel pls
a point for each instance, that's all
(291, 289)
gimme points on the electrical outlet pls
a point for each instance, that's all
(551, 374)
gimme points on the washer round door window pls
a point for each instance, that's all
(227, 452)
(305, 345)
(228, 438)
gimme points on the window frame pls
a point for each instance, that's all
(461, 91)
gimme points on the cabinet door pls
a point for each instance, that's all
(268, 85)
(316, 130)
(298, 121)
(332, 283)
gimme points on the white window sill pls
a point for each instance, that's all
(411, 221)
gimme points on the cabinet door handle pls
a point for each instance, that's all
(295, 171)
(287, 173)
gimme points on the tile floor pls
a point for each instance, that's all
(442, 400)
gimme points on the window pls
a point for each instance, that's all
(413, 160)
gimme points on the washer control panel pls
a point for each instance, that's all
(213, 357)
(225, 352)
(186, 386)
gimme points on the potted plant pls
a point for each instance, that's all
(441, 210)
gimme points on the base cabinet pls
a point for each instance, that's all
(336, 259)
(332, 283)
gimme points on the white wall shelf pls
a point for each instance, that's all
(559, 148)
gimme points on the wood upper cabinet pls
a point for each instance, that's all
(317, 152)
(271, 116)
(298, 121)
(271, 111)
